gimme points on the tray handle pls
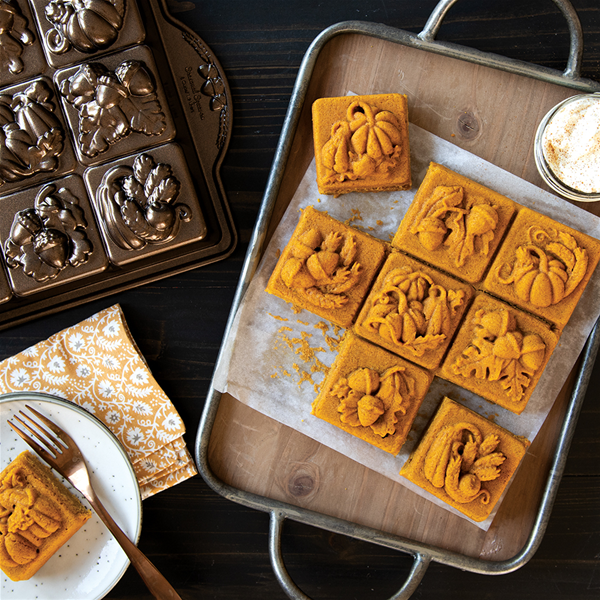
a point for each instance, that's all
(419, 566)
(572, 70)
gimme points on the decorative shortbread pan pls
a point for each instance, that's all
(114, 119)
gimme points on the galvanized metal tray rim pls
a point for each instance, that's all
(279, 511)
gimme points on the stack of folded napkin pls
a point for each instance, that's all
(97, 365)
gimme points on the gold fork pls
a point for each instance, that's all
(63, 455)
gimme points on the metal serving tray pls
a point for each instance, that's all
(281, 185)
(114, 121)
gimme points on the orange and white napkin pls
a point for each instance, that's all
(97, 365)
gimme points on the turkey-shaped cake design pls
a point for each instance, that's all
(322, 269)
(49, 237)
(138, 203)
(86, 25)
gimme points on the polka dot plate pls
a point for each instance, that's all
(90, 564)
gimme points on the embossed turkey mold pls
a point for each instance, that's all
(115, 105)
(33, 141)
(146, 204)
(21, 54)
(72, 30)
(51, 240)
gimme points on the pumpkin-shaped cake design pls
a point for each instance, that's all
(361, 143)
(543, 266)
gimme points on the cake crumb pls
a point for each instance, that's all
(278, 317)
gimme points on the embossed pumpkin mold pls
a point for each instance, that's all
(465, 460)
(327, 267)
(413, 310)
(454, 223)
(372, 394)
(74, 30)
(499, 353)
(543, 266)
(87, 25)
(361, 143)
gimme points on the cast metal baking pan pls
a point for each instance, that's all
(279, 511)
(114, 121)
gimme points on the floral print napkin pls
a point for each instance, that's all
(97, 365)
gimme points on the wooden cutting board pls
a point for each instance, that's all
(494, 115)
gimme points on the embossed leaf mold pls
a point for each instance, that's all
(15, 34)
(113, 105)
(545, 270)
(365, 142)
(465, 226)
(500, 352)
(86, 25)
(48, 238)
(410, 311)
(32, 138)
(139, 204)
(322, 269)
(367, 398)
(460, 460)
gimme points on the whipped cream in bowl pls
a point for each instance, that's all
(567, 148)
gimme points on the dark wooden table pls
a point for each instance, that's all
(209, 547)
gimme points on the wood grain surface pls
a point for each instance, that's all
(250, 451)
(209, 547)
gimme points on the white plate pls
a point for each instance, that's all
(89, 565)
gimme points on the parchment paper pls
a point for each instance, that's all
(277, 357)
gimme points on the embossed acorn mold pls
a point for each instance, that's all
(51, 240)
(33, 139)
(139, 203)
(72, 30)
(115, 99)
(20, 49)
